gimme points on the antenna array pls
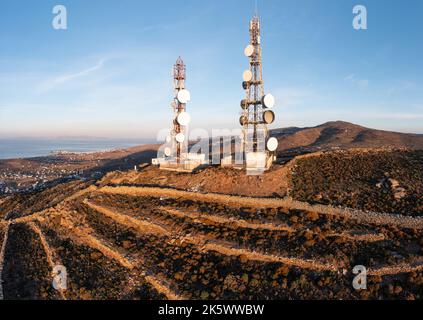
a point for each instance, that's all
(256, 114)
(181, 118)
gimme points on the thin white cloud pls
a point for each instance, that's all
(83, 73)
(52, 83)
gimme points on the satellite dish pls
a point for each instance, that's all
(243, 120)
(180, 137)
(249, 50)
(268, 101)
(183, 119)
(247, 76)
(184, 96)
(244, 104)
(167, 152)
(168, 139)
(268, 116)
(245, 85)
(272, 144)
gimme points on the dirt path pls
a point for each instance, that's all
(210, 219)
(357, 215)
(397, 269)
(140, 225)
(160, 287)
(208, 244)
(30, 218)
(80, 193)
(368, 237)
(86, 239)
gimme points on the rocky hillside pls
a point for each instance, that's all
(343, 135)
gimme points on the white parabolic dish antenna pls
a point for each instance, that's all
(269, 101)
(247, 76)
(183, 119)
(184, 96)
(180, 137)
(249, 50)
(167, 152)
(272, 144)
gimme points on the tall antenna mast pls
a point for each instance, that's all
(180, 118)
(256, 114)
(174, 154)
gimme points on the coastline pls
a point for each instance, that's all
(12, 149)
(19, 175)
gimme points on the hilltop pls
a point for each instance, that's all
(294, 233)
(344, 135)
(17, 175)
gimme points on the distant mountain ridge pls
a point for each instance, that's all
(340, 134)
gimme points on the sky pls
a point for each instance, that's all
(109, 74)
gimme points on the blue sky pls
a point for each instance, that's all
(109, 74)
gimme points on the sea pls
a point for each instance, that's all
(28, 148)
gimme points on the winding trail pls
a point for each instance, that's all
(79, 193)
(93, 242)
(368, 237)
(397, 269)
(348, 213)
(208, 219)
(162, 288)
(139, 225)
(207, 245)
(30, 218)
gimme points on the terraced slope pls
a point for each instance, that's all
(117, 244)
(123, 239)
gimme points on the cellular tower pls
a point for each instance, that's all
(181, 118)
(175, 155)
(256, 112)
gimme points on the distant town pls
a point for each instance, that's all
(39, 173)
